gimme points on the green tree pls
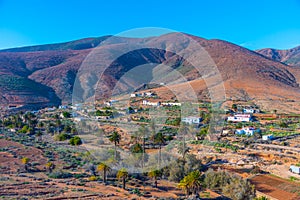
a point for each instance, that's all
(239, 189)
(234, 107)
(142, 132)
(160, 140)
(203, 133)
(75, 141)
(136, 148)
(191, 183)
(154, 174)
(115, 137)
(122, 175)
(25, 129)
(66, 114)
(104, 168)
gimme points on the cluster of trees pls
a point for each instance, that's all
(103, 113)
(231, 185)
(122, 175)
(26, 123)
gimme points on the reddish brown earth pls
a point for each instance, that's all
(10, 159)
(246, 74)
(276, 187)
(288, 56)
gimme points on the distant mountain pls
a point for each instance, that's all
(85, 43)
(289, 56)
(45, 74)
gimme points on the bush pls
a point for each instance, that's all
(75, 141)
(60, 175)
(62, 137)
(66, 114)
(136, 148)
(93, 178)
(231, 185)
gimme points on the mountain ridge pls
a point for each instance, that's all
(56, 67)
(287, 56)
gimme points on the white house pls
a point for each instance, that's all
(251, 110)
(171, 104)
(51, 109)
(149, 94)
(143, 94)
(295, 169)
(240, 118)
(247, 131)
(108, 103)
(63, 107)
(191, 120)
(267, 137)
(148, 103)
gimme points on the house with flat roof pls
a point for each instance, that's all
(240, 118)
(191, 120)
(249, 131)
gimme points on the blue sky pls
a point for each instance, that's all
(253, 24)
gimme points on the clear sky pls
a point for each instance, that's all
(251, 23)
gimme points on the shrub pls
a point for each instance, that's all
(60, 175)
(136, 148)
(66, 114)
(231, 185)
(75, 141)
(93, 178)
(62, 137)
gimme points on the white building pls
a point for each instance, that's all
(63, 107)
(171, 104)
(149, 94)
(148, 103)
(249, 131)
(267, 137)
(240, 118)
(191, 120)
(143, 94)
(251, 110)
(51, 109)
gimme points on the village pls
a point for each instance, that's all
(261, 146)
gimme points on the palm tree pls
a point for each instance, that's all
(154, 175)
(183, 150)
(191, 183)
(115, 137)
(160, 140)
(142, 131)
(122, 174)
(102, 167)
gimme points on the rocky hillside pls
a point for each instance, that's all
(46, 74)
(289, 56)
